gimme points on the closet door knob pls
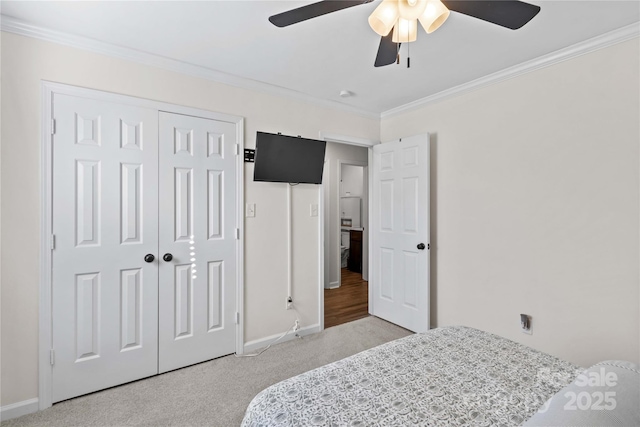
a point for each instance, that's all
(167, 257)
(149, 258)
(421, 246)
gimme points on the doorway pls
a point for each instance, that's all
(400, 168)
(346, 201)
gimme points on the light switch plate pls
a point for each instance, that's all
(250, 210)
(314, 209)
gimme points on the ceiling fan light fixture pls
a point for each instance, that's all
(434, 16)
(384, 17)
(403, 15)
(411, 9)
(405, 31)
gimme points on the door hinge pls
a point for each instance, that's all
(237, 234)
(53, 126)
(237, 318)
(52, 244)
(237, 149)
(52, 357)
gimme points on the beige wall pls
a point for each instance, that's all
(25, 63)
(535, 192)
(335, 154)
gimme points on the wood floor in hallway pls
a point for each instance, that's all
(347, 303)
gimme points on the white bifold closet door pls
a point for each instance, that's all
(197, 227)
(144, 265)
(105, 220)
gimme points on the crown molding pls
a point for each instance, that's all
(605, 40)
(19, 27)
(16, 26)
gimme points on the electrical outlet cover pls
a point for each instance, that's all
(529, 329)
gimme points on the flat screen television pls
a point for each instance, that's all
(281, 158)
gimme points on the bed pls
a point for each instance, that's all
(447, 376)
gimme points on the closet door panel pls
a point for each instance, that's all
(197, 287)
(105, 220)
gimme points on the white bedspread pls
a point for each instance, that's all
(445, 377)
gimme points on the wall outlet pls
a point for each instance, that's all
(525, 324)
(250, 211)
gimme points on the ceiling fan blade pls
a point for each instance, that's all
(506, 13)
(387, 52)
(313, 10)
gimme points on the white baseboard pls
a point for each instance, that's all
(254, 345)
(19, 409)
(334, 285)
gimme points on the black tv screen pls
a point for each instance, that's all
(281, 158)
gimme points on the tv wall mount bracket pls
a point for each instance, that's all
(249, 155)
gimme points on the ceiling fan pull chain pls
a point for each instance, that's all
(408, 58)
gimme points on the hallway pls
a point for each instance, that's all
(347, 303)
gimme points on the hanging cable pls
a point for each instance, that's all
(290, 306)
(294, 328)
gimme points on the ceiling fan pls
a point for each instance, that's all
(396, 20)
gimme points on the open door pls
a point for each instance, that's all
(400, 233)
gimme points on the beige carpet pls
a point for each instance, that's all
(214, 393)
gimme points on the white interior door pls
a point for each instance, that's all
(399, 229)
(198, 164)
(105, 220)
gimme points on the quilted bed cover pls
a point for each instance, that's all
(445, 377)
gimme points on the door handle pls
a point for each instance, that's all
(421, 246)
(167, 257)
(149, 258)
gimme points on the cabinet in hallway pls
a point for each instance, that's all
(355, 251)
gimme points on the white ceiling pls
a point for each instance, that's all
(323, 56)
